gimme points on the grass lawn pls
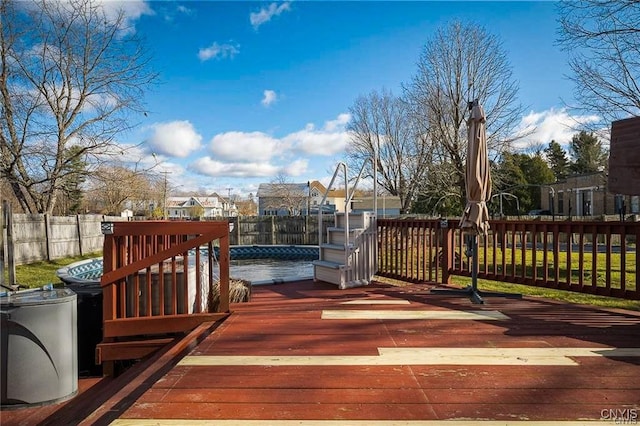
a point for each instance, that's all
(562, 295)
(547, 293)
(41, 273)
(594, 269)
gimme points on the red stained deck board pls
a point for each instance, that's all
(310, 378)
(277, 411)
(615, 397)
(526, 411)
(287, 396)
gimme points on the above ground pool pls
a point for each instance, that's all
(258, 264)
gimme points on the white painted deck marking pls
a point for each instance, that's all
(408, 315)
(421, 356)
(217, 422)
(377, 302)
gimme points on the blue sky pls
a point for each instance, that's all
(252, 90)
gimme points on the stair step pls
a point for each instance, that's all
(360, 219)
(330, 272)
(332, 246)
(351, 231)
(336, 235)
(328, 264)
(333, 253)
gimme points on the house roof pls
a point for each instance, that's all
(218, 196)
(184, 201)
(282, 189)
(317, 185)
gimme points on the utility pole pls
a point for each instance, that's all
(229, 202)
(164, 203)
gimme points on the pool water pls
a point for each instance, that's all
(256, 270)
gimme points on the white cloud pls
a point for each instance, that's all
(131, 10)
(257, 154)
(174, 139)
(296, 168)
(330, 140)
(269, 97)
(266, 13)
(550, 125)
(245, 147)
(338, 124)
(218, 51)
(209, 167)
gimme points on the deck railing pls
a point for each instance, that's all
(588, 257)
(159, 278)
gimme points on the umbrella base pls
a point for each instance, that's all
(474, 294)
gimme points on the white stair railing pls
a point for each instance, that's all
(355, 268)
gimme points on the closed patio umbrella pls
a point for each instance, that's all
(475, 217)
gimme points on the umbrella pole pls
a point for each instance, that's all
(471, 290)
(475, 295)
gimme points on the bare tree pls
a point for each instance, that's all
(381, 128)
(71, 75)
(602, 38)
(284, 194)
(462, 63)
(112, 188)
(247, 206)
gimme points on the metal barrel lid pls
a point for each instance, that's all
(37, 297)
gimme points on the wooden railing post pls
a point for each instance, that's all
(224, 274)
(273, 230)
(447, 254)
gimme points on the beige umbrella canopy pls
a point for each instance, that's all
(478, 178)
(475, 218)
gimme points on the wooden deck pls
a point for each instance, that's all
(307, 353)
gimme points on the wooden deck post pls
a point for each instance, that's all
(447, 254)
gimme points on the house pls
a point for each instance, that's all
(334, 201)
(283, 199)
(206, 207)
(388, 205)
(229, 208)
(586, 195)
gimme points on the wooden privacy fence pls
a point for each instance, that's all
(271, 230)
(159, 277)
(587, 257)
(37, 237)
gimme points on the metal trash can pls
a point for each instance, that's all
(89, 326)
(39, 363)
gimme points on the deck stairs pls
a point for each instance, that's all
(348, 251)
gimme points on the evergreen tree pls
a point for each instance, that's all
(523, 176)
(588, 153)
(557, 160)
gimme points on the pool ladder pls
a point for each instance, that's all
(349, 258)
